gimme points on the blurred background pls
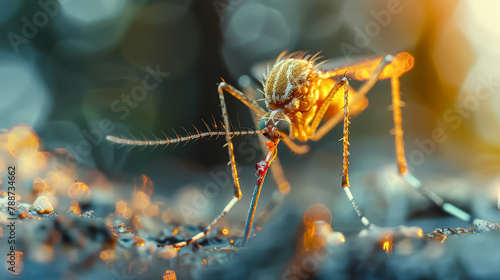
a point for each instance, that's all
(76, 71)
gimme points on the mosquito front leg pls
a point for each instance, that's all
(237, 190)
(262, 168)
(276, 171)
(278, 194)
(250, 103)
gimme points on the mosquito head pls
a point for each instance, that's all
(275, 125)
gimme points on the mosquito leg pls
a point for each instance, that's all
(237, 190)
(345, 164)
(262, 168)
(279, 194)
(363, 90)
(276, 170)
(298, 149)
(250, 103)
(398, 127)
(403, 167)
(322, 110)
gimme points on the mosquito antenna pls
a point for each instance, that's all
(214, 123)
(197, 132)
(145, 139)
(166, 137)
(176, 135)
(135, 139)
(187, 135)
(178, 139)
(156, 140)
(208, 128)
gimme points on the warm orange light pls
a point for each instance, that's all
(225, 231)
(19, 263)
(140, 200)
(204, 262)
(127, 214)
(66, 178)
(22, 142)
(120, 207)
(147, 185)
(151, 210)
(75, 207)
(317, 219)
(169, 275)
(176, 231)
(79, 191)
(420, 233)
(40, 186)
(36, 161)
(316, 213)
(107, 255)
(387, 245)
(137, 222)
(442, 241)
(141, 242)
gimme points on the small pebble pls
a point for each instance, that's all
(42, 205)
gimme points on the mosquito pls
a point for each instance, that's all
(303, 103)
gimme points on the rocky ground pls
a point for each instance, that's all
(68, 245)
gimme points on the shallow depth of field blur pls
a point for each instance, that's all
(77, 71)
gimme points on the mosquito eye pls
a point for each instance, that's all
(263, 123)
(284, 127)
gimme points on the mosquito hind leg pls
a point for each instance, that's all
(403, 166)
(345, 161)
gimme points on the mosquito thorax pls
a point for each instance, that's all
(275, 125)
(287, 82)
